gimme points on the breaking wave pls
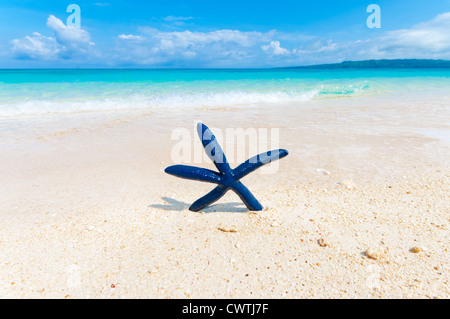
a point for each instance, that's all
(122, 99)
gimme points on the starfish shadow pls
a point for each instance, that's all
(172, 204)
(176, 205)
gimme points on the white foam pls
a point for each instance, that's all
(38, 99)
(173, 100)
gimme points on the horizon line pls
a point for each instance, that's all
(311, 66)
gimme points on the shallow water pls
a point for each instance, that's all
(38, 92)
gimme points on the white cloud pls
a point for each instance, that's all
(68, 35)
(429, 39)
(223, 48)
(186, 38)
(274, 48)
(189, 54)
(130, 37)
(68, 42)
(213, 48)
(35, 46)
(173, 18)
(176, 21)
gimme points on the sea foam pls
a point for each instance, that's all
(145, 100)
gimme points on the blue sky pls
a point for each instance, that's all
(117, 33)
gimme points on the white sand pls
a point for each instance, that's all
(86, 210)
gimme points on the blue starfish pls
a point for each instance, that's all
(226, 178)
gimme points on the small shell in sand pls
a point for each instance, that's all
(322, 171)
(348, 183)
(231, 229)
(416, 250)
(323, 243)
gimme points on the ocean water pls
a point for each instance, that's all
(39, 92)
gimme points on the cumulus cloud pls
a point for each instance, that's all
(274, 48)
(67, 35)
(67, 42)
(35, 47)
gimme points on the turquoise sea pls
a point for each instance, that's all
(38, 92)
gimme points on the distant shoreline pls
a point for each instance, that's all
(365, 64)
(382, 64)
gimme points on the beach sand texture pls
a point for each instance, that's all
(359, 209)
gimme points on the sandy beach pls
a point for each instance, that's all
(359, 209)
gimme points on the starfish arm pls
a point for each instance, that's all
(208, 199)
(194, 173)
(257, 161)
(213, 149)
(247, 197)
